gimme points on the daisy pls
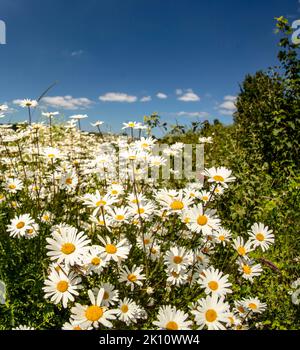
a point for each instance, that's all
(177, 259)
(249, 269)
(97, 123)
(19, 225)
(177, 278)
(51, 153)
(154, 251)
(214, 282)
(27, 103)
(145, 143)
(201, 259)
(211, 312)
(115, 190)
(13, 185)
(173, 201)
(132, 277)
(23, 328)
(70, 246)
(143, 209)
(219, 175)
(146, 242)
(93, 315)
(222, 236)
(201, 221)
(46, 217)
(132, 125)
(69, 180)
(33, 231)
(261, 236)
(60, 287)
(119, 215)
(78, 116)
(255, 305)
(116, 252)
(98, 201)
(93, 260)
(241, 247)
(157, 161)
(127, 311)
(50, 114)
(111, 295)
(205, 196)
(72, 326)
(171, 319)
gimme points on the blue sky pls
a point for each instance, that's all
(193, 53)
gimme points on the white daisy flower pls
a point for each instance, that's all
(70, 246)
(177, 259)
(133, 277)
(214, 282)
(211, 312)
(93, 315)
(171, 319)
(261, 236)
(219, 175)
(112, 251)
(61, 287)
(19, 225)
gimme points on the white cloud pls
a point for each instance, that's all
(178, 91)
(189, 96)
(228, 107)
(117, 97)
(67, 102)
(76, 53)
(161, 95)
(146, 99)
(192, 114)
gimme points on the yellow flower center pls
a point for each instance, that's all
(96, 261)
(260, 237)
(93, 313)
(186, 220)
(101, 222)
(62, 286)
(120, 217)
(131, 125)
(124, 309)
(213, 285)
(241, 309)
(110, 248)
(202, 220)
(145, 145)
(68, 248)
(241, 250)
(30, 231)
(146, 240)
(211, 315)
(12, 186)
(20, 225)
(46, 217)
(222, 238)
(131, 277)
(153, 251)
(177, 259)
(132, 157)
(114, 192)
(205, 198)
(175, 274)
(51, 155)
(172, 326)
(100, 203)
(77, 328)
(247, 269)
(218, 178)
(141, 211)
(252, 306)
(177, 205)
(69, 181)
